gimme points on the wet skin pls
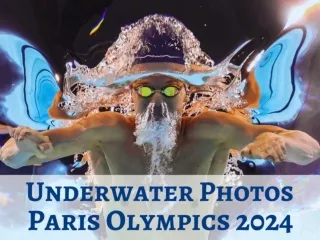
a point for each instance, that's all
(203, 142)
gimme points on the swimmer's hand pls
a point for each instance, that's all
(268, 146)
(29, 140)
(24, 141)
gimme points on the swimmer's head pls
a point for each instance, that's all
(159, 90)
(159, 102)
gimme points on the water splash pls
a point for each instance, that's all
(157, 137)
(87, 89)
(121, 56)
(232, 172)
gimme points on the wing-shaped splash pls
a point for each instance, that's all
(27, 100)
(281, 88)
(286, 68)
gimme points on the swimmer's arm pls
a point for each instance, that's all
(261, 141)
(82, 136)
(65, 142)
(58, 143)
(36, 148)
(62, 142)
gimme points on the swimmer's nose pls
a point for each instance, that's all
(158, 108)
(157, 99)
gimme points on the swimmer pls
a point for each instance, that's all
(158, 139)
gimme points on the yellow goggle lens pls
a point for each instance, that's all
(170, 91)
(145, 91)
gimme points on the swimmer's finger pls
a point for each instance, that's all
(281, 152)
(46, 147)
(257, 151)
(246, 152)
(271, 154)
(17, 132)
(11, 131)
(23, 133)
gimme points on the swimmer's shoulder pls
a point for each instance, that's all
(210, 123)
(107, 126)
(105, 119)
(211, 118)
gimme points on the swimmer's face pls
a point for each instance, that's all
(159, 89)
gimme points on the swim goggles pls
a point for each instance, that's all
(168, 91)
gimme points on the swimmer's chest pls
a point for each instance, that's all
(191, 156)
